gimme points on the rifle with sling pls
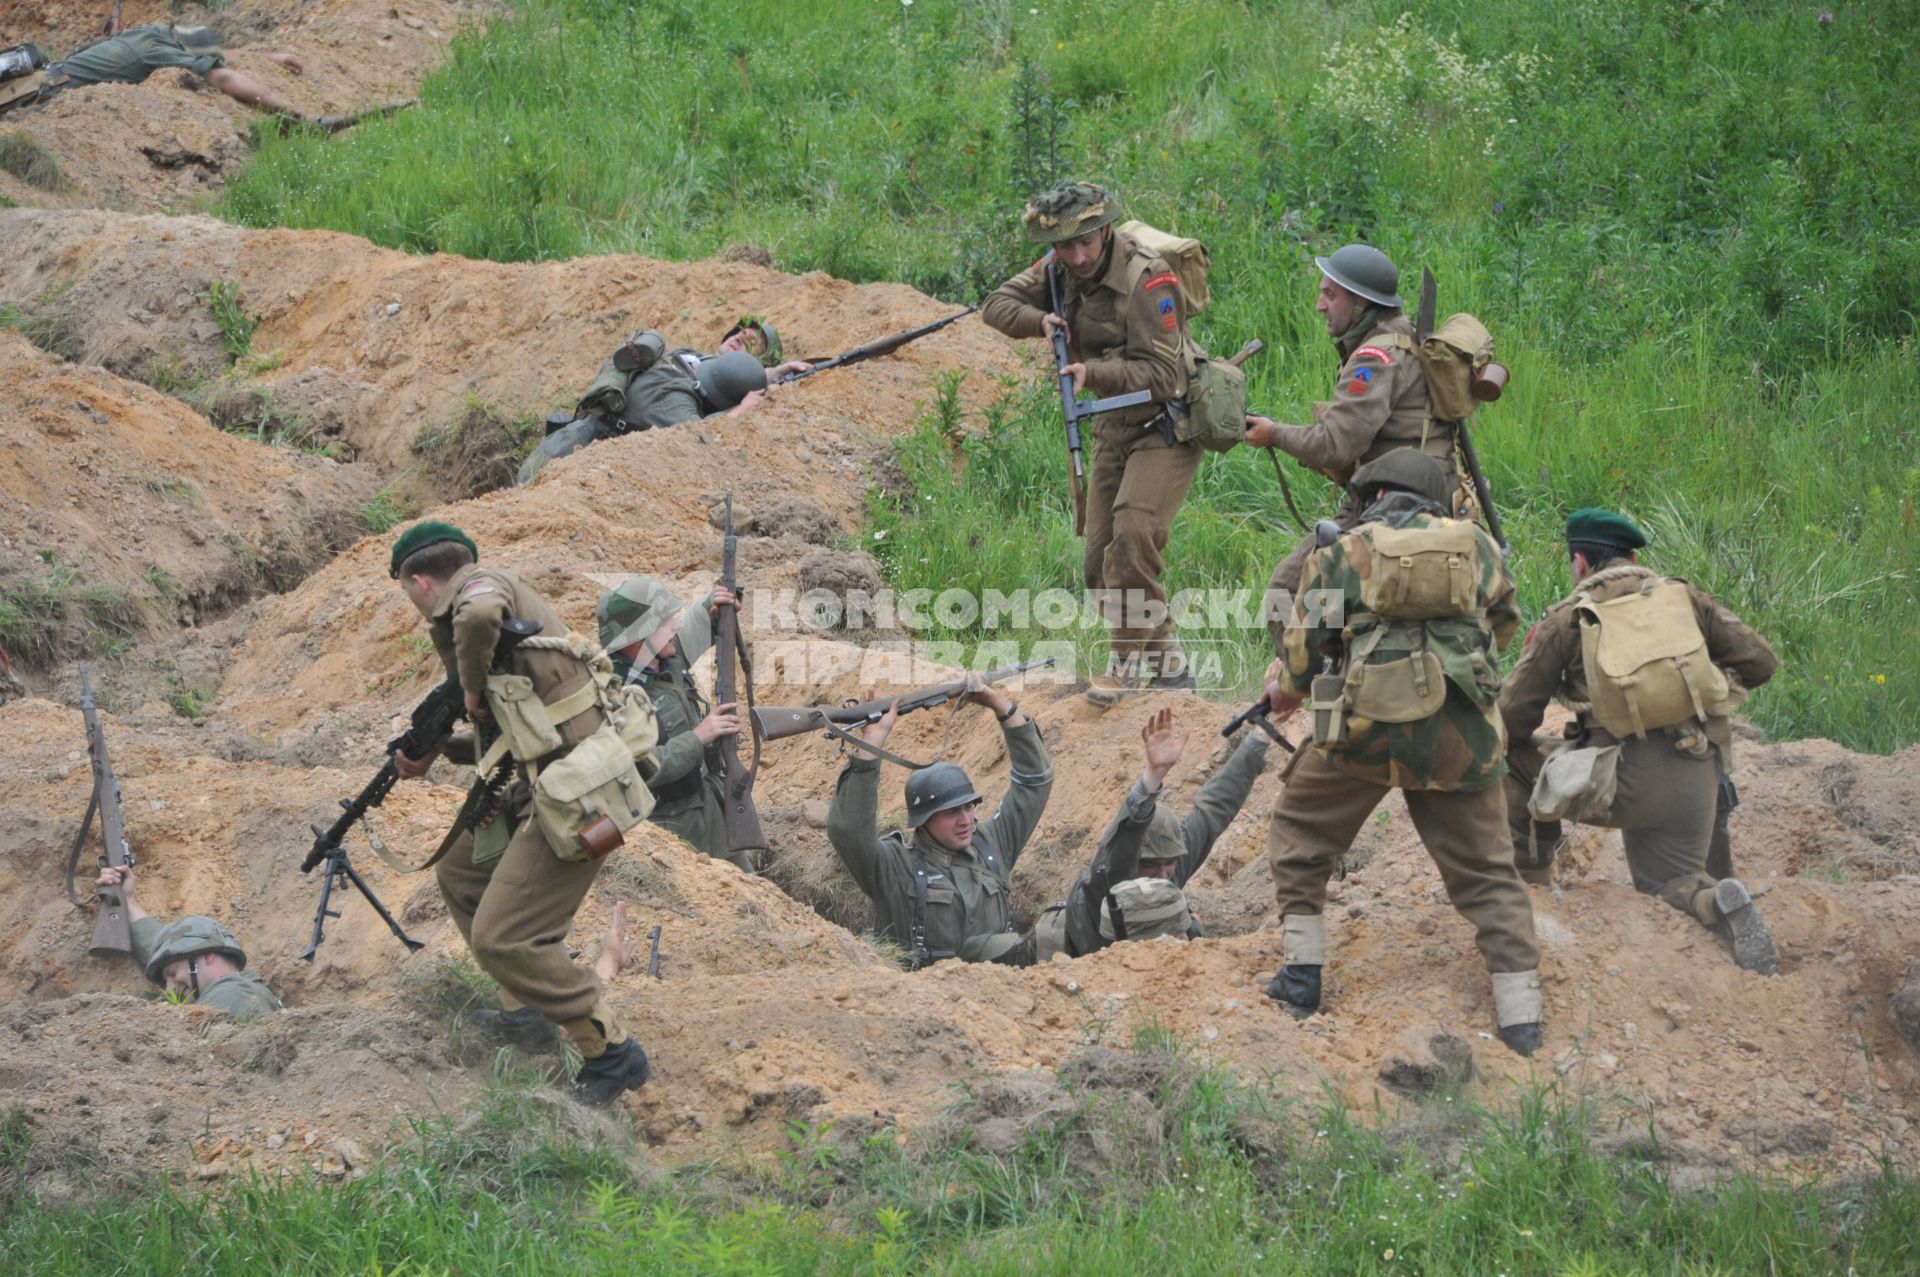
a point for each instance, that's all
(741, 816)
(874, 349)
(432, 723)
(839, 722)
(1423, 329)
(1073, 407)
(112, 933)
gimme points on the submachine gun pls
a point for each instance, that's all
(112, 933)
(1076, 409)
(433, 722)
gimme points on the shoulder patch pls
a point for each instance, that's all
(1155, 281)
(1043, 259)
(1376, 352)
(478, 587)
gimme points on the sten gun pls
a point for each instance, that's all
(432, 723)
(874, 349)
(839, 721)
(112, 933)
(737, 810)
(1256, 714)
(1074, 408)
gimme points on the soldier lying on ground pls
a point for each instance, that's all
(193, 957)
(643, 385)
(136, 53)
(940, 890)
(1133, 889)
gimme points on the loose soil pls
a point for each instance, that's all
(771, 1008)
(171, 141)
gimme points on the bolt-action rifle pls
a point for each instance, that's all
(840, 721)
(741, 816)
(1073, 407)
(112, 934)
(885, 346)
(432, 722)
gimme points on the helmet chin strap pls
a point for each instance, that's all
(193, 975)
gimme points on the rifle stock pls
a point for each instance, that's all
(741, 816)
(885, 346)
(780, 722)
(112, 930)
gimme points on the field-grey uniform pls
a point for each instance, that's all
(242, 995)
(962, 896)
(1128, 838)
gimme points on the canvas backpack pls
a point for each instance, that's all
(1646, 660)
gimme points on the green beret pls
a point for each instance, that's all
(422, 535)
(1604, 527)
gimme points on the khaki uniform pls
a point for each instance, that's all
(965, 892)
(689, 790)
(515, 906)
(243, 995)
(1118, 857)
(1379, 404)
(1448, 764)
(1664, 800)
(1128, 324)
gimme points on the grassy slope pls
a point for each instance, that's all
(1194, 1176)
(1687, 222)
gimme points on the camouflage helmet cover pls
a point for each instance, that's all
(1069, 211)
(1365, 271)
(1150, 907)
(1164, 839)
(727, 379)
(190, 937)
(770, 351)
(1407, 469)
(633, 611)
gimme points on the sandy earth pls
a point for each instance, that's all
(171, 141)
(770, 1007)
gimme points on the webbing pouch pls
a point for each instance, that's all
(524, 720)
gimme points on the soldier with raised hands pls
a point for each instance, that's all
(1653, 667)
(1134, 889)
(1403, 687)
(941, 889)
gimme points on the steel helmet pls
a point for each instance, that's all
(1069, 211)
(727, 379)
(769, 355)
(191, 937)
(1407, 469)
(632, 611)
(935, 789)
(1149, 907)
(1364, 270)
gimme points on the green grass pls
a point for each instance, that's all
(1177, 1169)
(58, 612)
(1688, 223)
(29, 160)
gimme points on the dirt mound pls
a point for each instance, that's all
(767, 1012)
(170, 140)
(127, 510)
(396, 347)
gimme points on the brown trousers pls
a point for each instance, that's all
(515, 913)
(1137, 485)
(1321, 811)
(1664, 809)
